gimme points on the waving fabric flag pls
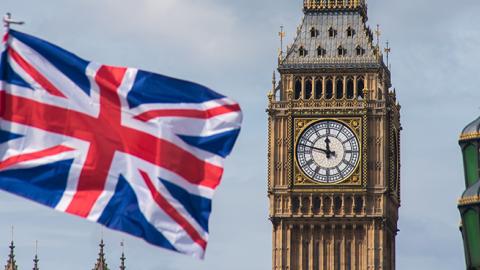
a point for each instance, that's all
(135, 151)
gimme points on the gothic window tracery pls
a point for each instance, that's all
(342, 51)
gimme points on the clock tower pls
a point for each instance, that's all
(334, 145)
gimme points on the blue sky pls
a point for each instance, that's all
(231, 46)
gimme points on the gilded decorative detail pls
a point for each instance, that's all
(469, 200)
(470, 136)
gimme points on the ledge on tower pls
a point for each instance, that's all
(327, 5)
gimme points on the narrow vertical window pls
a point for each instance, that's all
(350, 32)
(360, 88)
(321, 51)
(342, 51)
(329, 89)
(350, 90)
(308, 89)
(298, 89)
(339, 89)
(313, 32)
(302, 52)
(332, 32)
(318, 89)
(360, 51)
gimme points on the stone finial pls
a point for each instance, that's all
(11, 263)
(101, 261)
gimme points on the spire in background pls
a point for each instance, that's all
(11, 263)
(122, 259)
(36, 260)
(101, 261)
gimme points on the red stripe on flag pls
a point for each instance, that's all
(35, 155)
(173, 213)
(200, 114)
(37, 76)
(5, 38)
(142, 145)
(103, 142)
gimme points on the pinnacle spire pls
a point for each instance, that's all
(122, 262)
(36, 260)
(11, 263)
(101, 261)
(122, 259)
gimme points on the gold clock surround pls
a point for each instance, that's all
(357, 178)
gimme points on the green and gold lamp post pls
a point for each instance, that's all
(469, 204)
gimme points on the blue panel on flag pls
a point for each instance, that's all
(7, 74)
(123, 214)
(69, 64)
(198, 207)
(6, 136)
(220, 144)
(155, 88)
(44, 184)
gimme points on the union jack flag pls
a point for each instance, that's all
(135, 151)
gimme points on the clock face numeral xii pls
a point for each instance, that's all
(328, 151)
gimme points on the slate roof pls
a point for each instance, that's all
(322, 22)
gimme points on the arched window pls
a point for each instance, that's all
(329, 89)
(313, 32)
(380, 94)
(350, 32)
(308, 88)
(318, 89)
(332, 32)
(360, 87)
(339, 89)
(350, 89)
(321, 51)
(358, 205)
(302, 52)
(360, 51)
(342, 51)
(298, 88)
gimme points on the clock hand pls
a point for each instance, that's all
(321, 150)
(315, 148)
(327, 143)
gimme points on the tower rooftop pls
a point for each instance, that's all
(333, 34)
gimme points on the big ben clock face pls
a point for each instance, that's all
(328, 151)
